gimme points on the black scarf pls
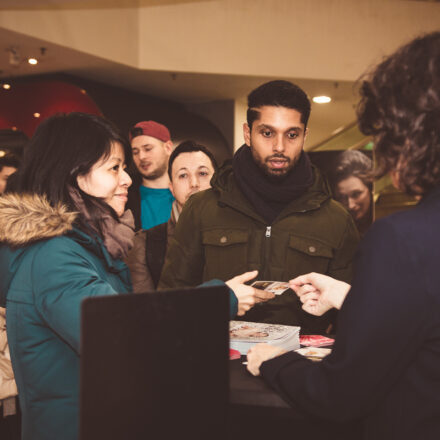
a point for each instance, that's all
(269, 196)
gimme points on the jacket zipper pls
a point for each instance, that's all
(265, 261)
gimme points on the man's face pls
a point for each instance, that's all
(151, 156)
(191, 172)
(276, 139)
(4, 175)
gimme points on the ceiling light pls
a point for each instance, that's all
(321, 99)
(36, 115)
(32, 61)
(6, 86)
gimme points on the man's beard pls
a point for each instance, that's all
(155, 174)
(273, 173)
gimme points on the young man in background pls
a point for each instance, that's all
(149, 198)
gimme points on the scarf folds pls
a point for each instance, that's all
(116, 234)
(175, 213)
(270, 196)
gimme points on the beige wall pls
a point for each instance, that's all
(316, 39)
(326, 40)
(111, 34)
(319, 39)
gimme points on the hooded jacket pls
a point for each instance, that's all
(219, 235)
(47, 267)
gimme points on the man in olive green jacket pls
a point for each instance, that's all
(269, 210)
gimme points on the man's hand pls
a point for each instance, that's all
(260, 353)
(247, 296)
(319, 293)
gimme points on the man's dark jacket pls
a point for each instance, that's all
(385, 365)
(219, 235)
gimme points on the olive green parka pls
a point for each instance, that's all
(219, 235)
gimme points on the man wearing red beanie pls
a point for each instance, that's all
(149, 197)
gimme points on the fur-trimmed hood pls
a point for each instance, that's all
(26, 218)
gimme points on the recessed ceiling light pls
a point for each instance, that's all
(321, 99)
(6, 86)
(32, 61)
(36, 115)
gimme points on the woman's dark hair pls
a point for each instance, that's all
(353, 163)
(189, 147)
(400, 107)
(9, 160)
(64, 147)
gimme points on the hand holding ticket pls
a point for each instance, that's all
(247, 296)
(275, 287)
(319, 293)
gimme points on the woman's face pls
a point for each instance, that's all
(355, 196)
(108, 180)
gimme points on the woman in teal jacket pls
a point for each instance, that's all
(63, 235)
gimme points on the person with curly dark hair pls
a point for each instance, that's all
(400, 108)
(385, 366)
(352, 181)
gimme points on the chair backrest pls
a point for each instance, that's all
(154, 365)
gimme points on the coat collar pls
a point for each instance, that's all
(26, 218)
(95, 244)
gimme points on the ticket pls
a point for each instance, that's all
(275, 287)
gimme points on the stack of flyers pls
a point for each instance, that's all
(276, 287)
(315, 340)
(314, 353)
(244, 335)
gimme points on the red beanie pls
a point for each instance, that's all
(153, 129)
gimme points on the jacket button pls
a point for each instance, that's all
(223, 239)
(312, 249)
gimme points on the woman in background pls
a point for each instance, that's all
(385, 364)
(9, 416)
(352, 181)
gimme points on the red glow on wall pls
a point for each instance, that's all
(23, 99)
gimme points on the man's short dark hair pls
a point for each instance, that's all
(189, 147)
(278, 94)
(9, 160)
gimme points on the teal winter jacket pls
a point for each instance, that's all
(47, 267)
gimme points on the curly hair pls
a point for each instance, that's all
(400, 107)
(353, 163)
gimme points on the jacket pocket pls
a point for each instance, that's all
(306, 255)
(226, 253)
